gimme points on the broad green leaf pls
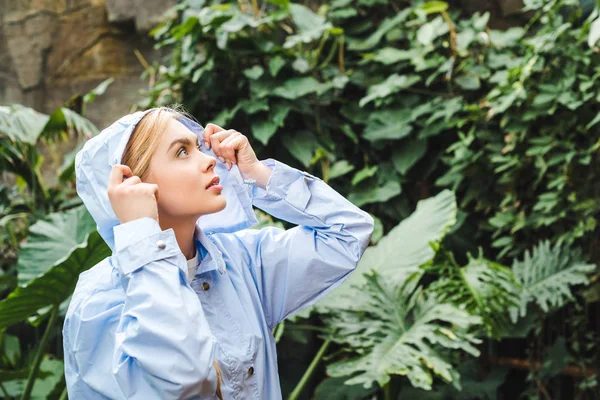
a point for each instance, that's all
(383, 28)
(264, 129)
(22, 123)
(547, 275)
(432, 30)
(297, 87)
(275, 65)
(408, 153)
(50, 239)
(363, 174)
(393, 84)
(482, 288)
(397, 334)
(391, 55)
(594, 33)
(340, 168)
(254, 73)
(51, 374)
(379, 194)
(432, 7)
(400, 253)
(58, 281)
(301, 145)
(310, 25)
(392, 131)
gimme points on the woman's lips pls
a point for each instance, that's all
(214, 185)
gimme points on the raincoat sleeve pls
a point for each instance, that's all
(156, 342)
(294, 268)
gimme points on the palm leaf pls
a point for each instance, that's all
(547, 275)
(398, 334)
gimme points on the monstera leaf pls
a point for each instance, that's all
(481, 287)
(547, 274)
(401, 252)
(70, 234)
(401, 334)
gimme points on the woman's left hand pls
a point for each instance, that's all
(231, 147)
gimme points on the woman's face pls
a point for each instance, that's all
(184, 174)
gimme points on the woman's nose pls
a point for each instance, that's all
(208, 163)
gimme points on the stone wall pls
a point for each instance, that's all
(53, 49)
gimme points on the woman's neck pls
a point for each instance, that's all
(184, 233)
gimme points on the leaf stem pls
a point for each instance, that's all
(64, 394)
(35, 367)
(4, 391)
(311, 369)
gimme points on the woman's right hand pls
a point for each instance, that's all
(131, 199)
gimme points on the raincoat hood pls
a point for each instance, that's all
(99, 154)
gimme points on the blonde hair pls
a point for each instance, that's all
(146, 136)
(139, 150)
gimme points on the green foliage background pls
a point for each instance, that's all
(475, 149)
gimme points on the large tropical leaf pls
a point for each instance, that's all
(548, 273)
(57, 282)
(482, 288)
(402, 250)
(50, 239)
(21, 124)
(397, 334)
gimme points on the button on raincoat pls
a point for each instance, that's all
(135, 327)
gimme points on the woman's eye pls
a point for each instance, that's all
(181, 149)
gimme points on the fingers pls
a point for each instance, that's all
(117, 173)
(216, 140)
(230, 146)
(210, 130)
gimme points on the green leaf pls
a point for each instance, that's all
(57, 283)
(310, 25)
(254, 73)
(401, 252)
(50, 239)
(547, 275)
(398, 334)
(21, 123)
(363, 174)
(98, 90)
(340, 168)
(391, 55)
(264, 129)
(393, 84)
(383, 28)
(301, 145)
(275, 65)
(432, 30)
(51, 374)
(594, 33)
(482, 288)
(406, 155)
(378, 194)
(432, 7)
(297, 87)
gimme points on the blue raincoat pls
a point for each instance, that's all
(135, 327)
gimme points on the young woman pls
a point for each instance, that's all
(185, 306)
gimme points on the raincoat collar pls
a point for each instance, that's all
(99, 154)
